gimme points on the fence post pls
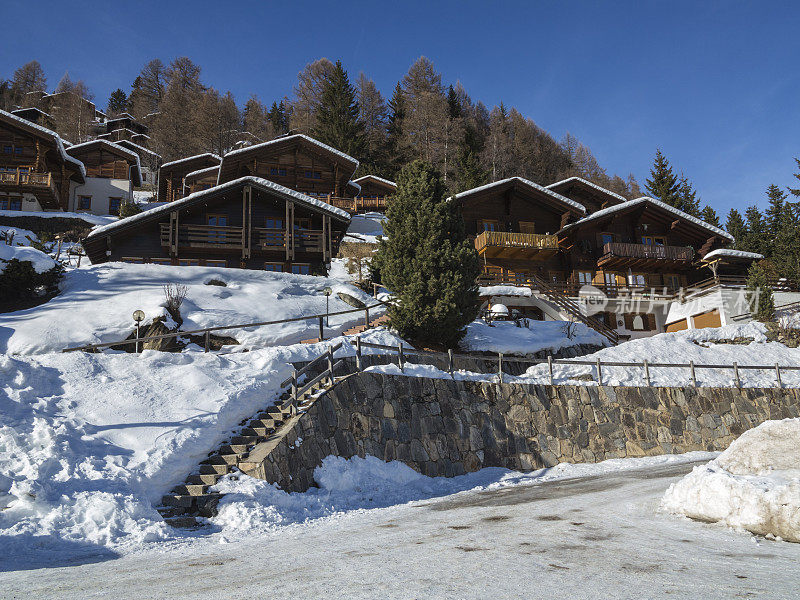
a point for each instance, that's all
(366, 318)
(330, 363)
(358, 353)
(500, 366)
(400, 355)
(207, 341)
(647, 373)
(736, 374)
(599, 373)
(778, 375)
(450, 361)
(550, 367)
(692, 373)
(321, 330)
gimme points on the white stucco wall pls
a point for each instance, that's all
(100, 189)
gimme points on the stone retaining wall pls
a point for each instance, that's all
(442, 427)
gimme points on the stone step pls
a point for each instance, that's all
(244, 440)
(178, 500)
(261, 424)
(190, 489)
(172, 511)
(207, 504)
(183, 522)
(260, 432)
(211, 469)
(223, 458)
(238, 449)
(203, 479)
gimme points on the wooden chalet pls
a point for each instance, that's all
(111, 174)
(590, 195)
(202, 179)
(297, 162)
(249, 223)
(36, 173)
(514, 224)
(35, 115)
(125, 127)
(638, 245)
(149, 161)
(171, 175)
(373, 194)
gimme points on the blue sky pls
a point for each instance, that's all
(715, 85)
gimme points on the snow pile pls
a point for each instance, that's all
(345, 485)
(20, 236)
(506, 337)
(88, 217)
(97, 301)
(505, 290)
(754, 485)
(683, 347)
(40, 261)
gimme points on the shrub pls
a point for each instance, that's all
(762, 303)
(128, 208)
(174, 295)
(21, 285)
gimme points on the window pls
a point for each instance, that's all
(273, 223)
(18, 150)
(585, 277)
(637, 280)
(277, 171)
(84, 203)
(488, 226)
(302, 223)
(161, 261)
(8, 149)
(113, 205)
(11, 203)
(606, 238)
(527, 227)
(189, 262)
(217, 220)
(274, 267)
(300, 269)
(216, 263)
(654, 240)
(610, 279)
(672, 281)
(136, 260)
(313, 175)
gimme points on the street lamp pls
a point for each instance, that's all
(327, 291)
(138, 317)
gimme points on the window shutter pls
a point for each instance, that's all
(628, 321)
(651, 322)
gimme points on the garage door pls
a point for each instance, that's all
(677, 326)
(707, 319)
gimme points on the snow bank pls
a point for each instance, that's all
(40, 261)
(22, 237)
(506, 337)
(345, 485)
(88, 217)
(683, 347)
(754, 485)
(97, 301)
(506, 290)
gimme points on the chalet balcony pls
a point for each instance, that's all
(618, 255)
(230, 238)
(508, 245)
(359, 204)
(41, 185)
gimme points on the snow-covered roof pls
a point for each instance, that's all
(33, 108)
(355, 185)
(138, 147)
(59, 145)
(122, 117)
(188, 158)
(522, 180)
(731, 253)
(129, 153)
(209, 170)
(590, 184)
(284, 139)
(264, 183)
(376, 178)
(647, 199)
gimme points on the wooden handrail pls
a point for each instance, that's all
(624, 250)
(508, 239)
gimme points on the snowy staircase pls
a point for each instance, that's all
(382, 320)
(192, 499)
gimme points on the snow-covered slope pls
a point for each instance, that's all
(365, 228)
(96, 304)
(40, 261)
(754, 485)
(506, 337)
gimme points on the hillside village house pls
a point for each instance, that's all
(36, 173)
(248, 222)
(149, 163)
(111, 174)
(171, 175)
(374, 195)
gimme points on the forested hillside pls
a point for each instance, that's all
(423, 117)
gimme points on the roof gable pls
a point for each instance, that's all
(503, 184)
(565, 185)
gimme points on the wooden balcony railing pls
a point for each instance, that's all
(214, 236)
(308, 240)
(505, 239)
(647, 252)
(21, 177)
(357, 204)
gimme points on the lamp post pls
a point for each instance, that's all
(138, 317)
(327, 291)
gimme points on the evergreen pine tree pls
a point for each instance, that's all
(709, 215)
(775, 212)
(338, 124)
(796, 191)
(117, 102)
(469, 172)
(756, 239)
(128, 208)
(762, 303)
(687, 200)
(663, 184)
(736, 226)
(427, 261)
(394, 131)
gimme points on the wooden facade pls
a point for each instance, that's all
(370, 193)
(171, 175)
(200, 180)
(106, 160)
(246, 223)
(34, 163)
(297, 162)
(590, 195)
